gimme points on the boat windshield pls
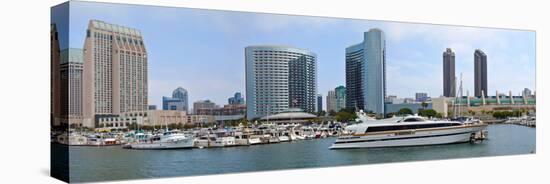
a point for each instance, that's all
(412, 119)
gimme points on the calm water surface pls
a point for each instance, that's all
(115, 163)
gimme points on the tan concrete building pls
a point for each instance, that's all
(115, 71)
(163, 117)
(200, 119)
(441, 105)
(144, 118)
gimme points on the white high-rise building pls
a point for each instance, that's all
(279, 78)
(115, 71)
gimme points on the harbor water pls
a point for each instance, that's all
(114, 163)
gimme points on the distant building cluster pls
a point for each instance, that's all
(421, 97)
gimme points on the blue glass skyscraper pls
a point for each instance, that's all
(366, 73)
(236, 99)
(179, 100)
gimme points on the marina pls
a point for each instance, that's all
(91, 163)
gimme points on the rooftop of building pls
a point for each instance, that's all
(281, 47)
(115, 28)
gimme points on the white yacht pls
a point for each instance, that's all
(223, 142)
(168, 140)
(73, 139)
(254, 140)
(406, 131)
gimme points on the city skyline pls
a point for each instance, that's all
(412, 49)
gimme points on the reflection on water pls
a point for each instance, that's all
(115, 163)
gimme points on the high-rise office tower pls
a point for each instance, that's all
(71, 80)
(319, 103)
(180, 93)
(279, 78)
(340, 98)
(55, 79)
(179, 100)
(449, 78)
(480, 73)
(331, 101)
(421, 97)
(366, 73)
(115, 71)
(236, 99)
(527, 92)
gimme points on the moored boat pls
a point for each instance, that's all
(167, 140)
(406, 131)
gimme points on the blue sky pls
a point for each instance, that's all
(203, 50)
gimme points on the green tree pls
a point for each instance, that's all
(349, 110)
(427, 113)
(424, 105)
(321, 113)
(404, 111)
(344, 116)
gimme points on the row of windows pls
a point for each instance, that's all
(408, 127)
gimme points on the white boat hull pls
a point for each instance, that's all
(253, 141)
(284, 139)
(179, 144)
(420, 138)
(223, 142)
(241, 142)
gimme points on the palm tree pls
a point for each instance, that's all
(424, 105)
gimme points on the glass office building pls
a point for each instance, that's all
(179, 100)
(279, 78)
(449, 78)
(71, 67)
(366, 73)
(480, 73)
(340, 100)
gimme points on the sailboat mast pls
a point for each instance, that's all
(460, 97)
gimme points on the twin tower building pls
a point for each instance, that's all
(480, 73)
(281, 77)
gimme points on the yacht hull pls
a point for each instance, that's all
(179, 144)
(412, 138)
